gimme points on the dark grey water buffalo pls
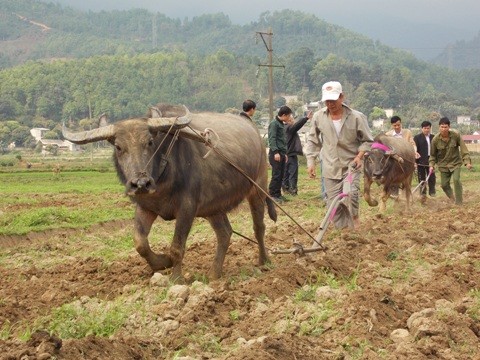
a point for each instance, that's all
(169, 177)
(391, 162)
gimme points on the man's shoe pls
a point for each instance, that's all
(284, 199)
(432, 195)
(293, 192)
(278, 200)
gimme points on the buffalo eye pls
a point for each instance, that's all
(150, 143)
(118, 148)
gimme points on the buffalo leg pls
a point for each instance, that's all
(408, 191)
(367, 184)
(223, 231)
(257, 209)
(183, 225)
(383, 204)
(143, 224)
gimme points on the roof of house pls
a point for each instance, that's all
(470, 137)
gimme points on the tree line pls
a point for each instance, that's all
(207, 63)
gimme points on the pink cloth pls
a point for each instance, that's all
(377, 145)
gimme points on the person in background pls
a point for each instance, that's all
(344, 136)
(249, 107)
(294, 148)
(423, 142)
(398, 132)
(448, 152)
(277, 154)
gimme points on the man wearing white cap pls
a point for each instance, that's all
(345, 136)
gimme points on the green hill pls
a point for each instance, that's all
(59, 64)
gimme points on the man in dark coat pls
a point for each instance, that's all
(277, 154)
(422, 142)
(294, 148)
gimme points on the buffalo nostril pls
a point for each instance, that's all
(142, 183)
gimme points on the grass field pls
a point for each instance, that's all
(86, 191)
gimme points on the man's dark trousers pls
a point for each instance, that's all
(278, 169)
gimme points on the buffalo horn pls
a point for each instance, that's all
(85, 137)
(163, 124)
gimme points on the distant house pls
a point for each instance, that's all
(472, 142)
(314, 106)
(389, 113)
(38, 133)
(463, 120)
(65, 145)
(378, 124)
(471, 139)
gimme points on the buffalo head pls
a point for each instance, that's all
(376, 161)
(137, 156)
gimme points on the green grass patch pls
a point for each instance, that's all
(314, 325)
(57, 217)
(38, 201)
(474, 311)
(76, 321)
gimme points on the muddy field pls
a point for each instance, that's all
(404, 285)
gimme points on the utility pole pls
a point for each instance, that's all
(268, 45)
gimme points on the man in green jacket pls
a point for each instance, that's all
(277, 155)
(448, 151)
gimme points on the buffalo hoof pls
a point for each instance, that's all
(373, 203)
(160, 262)
(213, 275)
(264, 261)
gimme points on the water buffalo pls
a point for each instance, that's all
(391, 162)
(166, 174)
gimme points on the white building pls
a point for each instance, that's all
(38, 133)
(378, 124)
(463, 120)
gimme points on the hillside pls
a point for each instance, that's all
(461, 54)
(40, 30)
(59, 63)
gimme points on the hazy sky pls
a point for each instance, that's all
(424, 27)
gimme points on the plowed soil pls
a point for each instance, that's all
(405, 285)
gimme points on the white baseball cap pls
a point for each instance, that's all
(331, 90)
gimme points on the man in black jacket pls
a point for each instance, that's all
(277, 153)
(294, 148)
(423, 141)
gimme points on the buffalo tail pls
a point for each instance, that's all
(272, 211)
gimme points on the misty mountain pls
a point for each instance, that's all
(75, 33)
(461, 55)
